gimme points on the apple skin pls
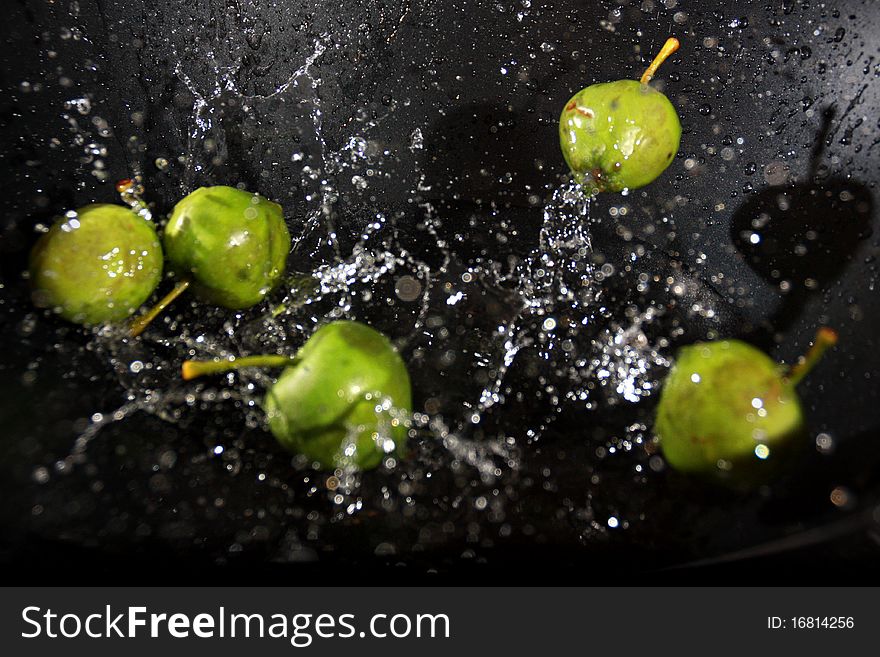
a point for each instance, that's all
(233, 244)
(727, 411)
(96, 265)
(618, 135)
(325, 405)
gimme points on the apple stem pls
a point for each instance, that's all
(668, 48)
(824, 340)
(192, 369)
(142, 322)
(130, 189)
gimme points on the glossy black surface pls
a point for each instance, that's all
(797, 82)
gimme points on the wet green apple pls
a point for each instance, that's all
(231, 246)
(726, 408)
(97, 264)
(234, 245)
(620, 135)
(341, 401)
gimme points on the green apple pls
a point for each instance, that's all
(98, 264)
(340, 401)
(232, 243)
(726, 407)
(620, 135)
(231, 246)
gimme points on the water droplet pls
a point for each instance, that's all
(416, 140)
(40, 475)
(407, 288)
(81, 105)
(825, 443)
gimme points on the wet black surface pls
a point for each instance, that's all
(484, 88)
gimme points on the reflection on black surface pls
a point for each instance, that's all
(484, 174)
(801, 236)
(483, 153)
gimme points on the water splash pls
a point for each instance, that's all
(497, 351)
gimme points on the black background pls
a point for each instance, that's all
(445, 58)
